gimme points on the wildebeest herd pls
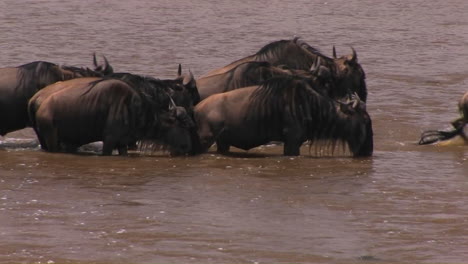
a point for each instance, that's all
(287, 92)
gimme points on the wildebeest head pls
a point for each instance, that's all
(186, 90)
(174, 132)
(71, 72)
(322, 81)
(432, 136)
(360, 139)
(349, 74)
(105, 69)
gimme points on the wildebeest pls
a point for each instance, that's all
(183, 89)
(282, 109)
(256, 72)
(19, 84)
(72, 113)
(297, 54)
(432, 136)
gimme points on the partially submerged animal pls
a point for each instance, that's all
(455, 136)
(256, 72)
(285, 109)
(347, 73)
(19, 84)
(72, 113)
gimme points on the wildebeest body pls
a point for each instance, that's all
(255, 73)
(86, 110)
(282, 109)
(19, 84)
(347, 73)
(78, 115)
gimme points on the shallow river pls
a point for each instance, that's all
(406, 204)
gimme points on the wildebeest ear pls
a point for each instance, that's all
(189, 80)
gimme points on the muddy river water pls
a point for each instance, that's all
(405, 204)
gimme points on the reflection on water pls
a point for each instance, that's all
(406, 204)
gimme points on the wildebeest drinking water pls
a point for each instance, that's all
(19, 84)
(282, 109)
(72, 113)
(182, 90)
(433, 136)
(347, 73)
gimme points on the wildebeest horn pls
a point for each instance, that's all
(354, 57)
(179, 70)
(316, 65)
(107, 67)
(187, 80)
(172, 105)
(356, 100)
(334, 52)
(94, 60)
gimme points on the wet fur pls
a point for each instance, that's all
(283, 109)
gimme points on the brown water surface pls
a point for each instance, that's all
(406, 204)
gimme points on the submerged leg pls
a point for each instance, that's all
(222, 147)
(107, 148)
(292, 140)
(123, 151)
(291, 149)
(49, 136)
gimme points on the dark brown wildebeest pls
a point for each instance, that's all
(72, 113)
(282, 109)
(182, 89)
(297, 54)
(19, 84)
(256, 72)
(433, 136)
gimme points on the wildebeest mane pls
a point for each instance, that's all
(82, 72)
(279, 94)
(153, 91)
(251, 73)
(293, 53)
(319, 115)
(35, 75)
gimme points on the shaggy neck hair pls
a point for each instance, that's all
(320, 116)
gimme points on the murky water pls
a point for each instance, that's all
(406, 204)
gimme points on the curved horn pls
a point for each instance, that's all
(107, 67)
(95, 60)
(296, 38)
(354, 57)
(179, 70)
(106, 62)
(172, 105)
(357, 100)
(316, 65)
(334, 52)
